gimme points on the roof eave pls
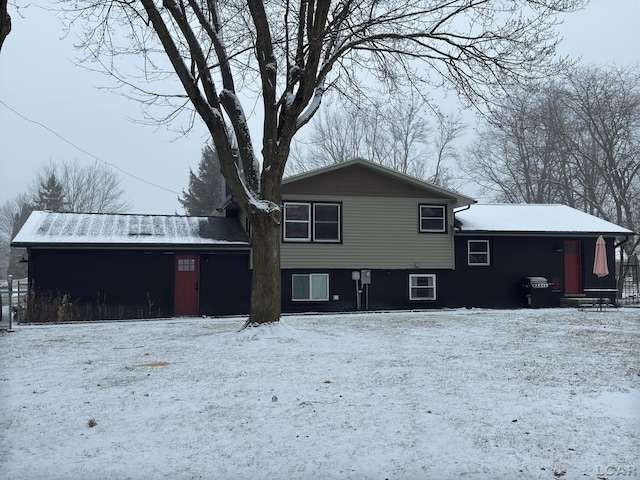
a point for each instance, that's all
(542, 232)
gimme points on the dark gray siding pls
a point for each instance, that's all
(124, 284)
(102, 284)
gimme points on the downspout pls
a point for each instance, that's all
(621, 273)
(457, 211)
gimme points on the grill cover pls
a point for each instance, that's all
(538, 282)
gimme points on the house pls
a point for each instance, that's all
(111, 266)
(355, 236)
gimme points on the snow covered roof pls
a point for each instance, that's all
(515, 218)
(99, 229)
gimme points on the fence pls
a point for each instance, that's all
(18, 304)
(630, 294)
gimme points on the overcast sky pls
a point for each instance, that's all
(39, 80)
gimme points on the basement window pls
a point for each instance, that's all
(312, 287)
(422, 286)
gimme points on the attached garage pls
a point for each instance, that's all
(112, 266)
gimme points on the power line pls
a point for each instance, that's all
(85, 152)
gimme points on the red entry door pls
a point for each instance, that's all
(186, 286)
(572, 283)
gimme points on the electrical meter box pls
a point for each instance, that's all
(365, 277)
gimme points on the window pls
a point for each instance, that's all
(326, 222)
(307, 222)
(310, 287)
(422, 287)
(478, 252)
(432, 218)
(186, 264)
(297, 222)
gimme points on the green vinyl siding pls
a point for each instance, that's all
(376, 233)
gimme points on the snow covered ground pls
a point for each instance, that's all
(478, 394)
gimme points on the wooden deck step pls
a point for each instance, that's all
(584, 302)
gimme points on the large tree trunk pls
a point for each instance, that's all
(266, 286)
(5, 22)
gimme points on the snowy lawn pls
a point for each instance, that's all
(516, 394)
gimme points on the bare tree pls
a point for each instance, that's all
(69, 186)
(408, 137)
(449, 128)
(8, 211)
(336, 136)
(13, 214)
(516, 153)
(574, 141)
(292, 53)
(5, 251)
(395, 133)
(604, 103)
(93, 188)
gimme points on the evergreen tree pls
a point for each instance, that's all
(205, 192)
(50, 195)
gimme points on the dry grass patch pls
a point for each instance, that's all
(155, 364)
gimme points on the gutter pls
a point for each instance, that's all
(616, 245)
(454, 216)
(620, 280)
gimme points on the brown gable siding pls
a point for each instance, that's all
(357, 181)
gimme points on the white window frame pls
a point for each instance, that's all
(412, 286)
(310, 298)
(338, 221)
(287, 221)
(470, 253)
(443, 217)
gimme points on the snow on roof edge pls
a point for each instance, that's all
(533, 218)
(91, 229)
